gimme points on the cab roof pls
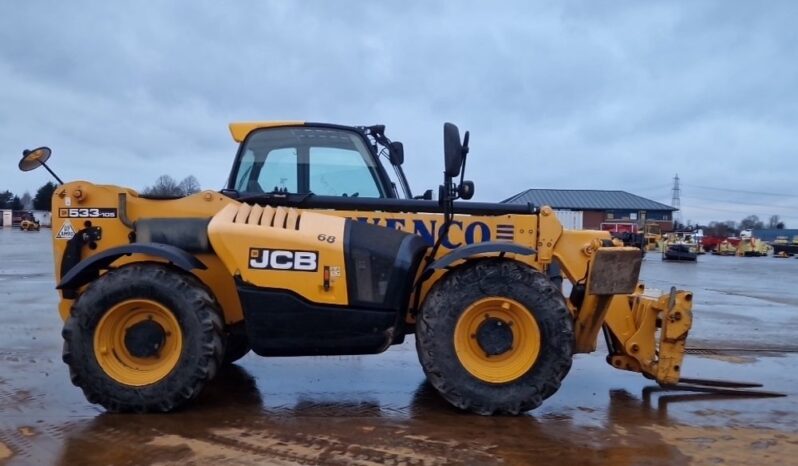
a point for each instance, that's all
(240, 130)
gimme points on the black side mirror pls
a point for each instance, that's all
(452, 150)
(397, 153)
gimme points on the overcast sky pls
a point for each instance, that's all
(570, 95)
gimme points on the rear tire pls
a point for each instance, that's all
(143, 338)
(493, 377)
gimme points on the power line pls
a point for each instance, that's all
(726, 201)
(760, 193)
(649, 188)
(738, 212)
(717, 209)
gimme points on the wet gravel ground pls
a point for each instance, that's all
(378, 409)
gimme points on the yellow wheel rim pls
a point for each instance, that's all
(519, 340)
(117, 360)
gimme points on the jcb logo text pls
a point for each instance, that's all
(278, 259)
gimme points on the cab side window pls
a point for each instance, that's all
(274, 171)
(279, 171)
(341, 172)
(244, 176)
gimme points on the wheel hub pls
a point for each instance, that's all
(497, 339)
(494, 336)
(145, 339)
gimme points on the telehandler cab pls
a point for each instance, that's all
(309, 250)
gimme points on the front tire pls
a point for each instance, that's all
(143, 338)
(495, 336)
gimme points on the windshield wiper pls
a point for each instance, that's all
(274, 195)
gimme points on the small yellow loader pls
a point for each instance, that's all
(29, 224)
(311, 249)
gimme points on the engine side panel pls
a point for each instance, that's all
(315, 284)
(381, 264)
(305, 257)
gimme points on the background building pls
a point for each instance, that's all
(599, 210)
(770, 234)
(6, 217)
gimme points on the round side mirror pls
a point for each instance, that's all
(452, 150)
(466, 190)
(32, 159)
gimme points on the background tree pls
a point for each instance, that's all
(16, 204)
(166, 186)
(751, 222)
(5, 199)
(723, 229)
(775, 222)
(27, 201)
(190, 185)
(43, 200)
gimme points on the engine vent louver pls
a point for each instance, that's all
(267, 216)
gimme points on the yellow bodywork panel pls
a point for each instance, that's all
(239, 131)
(575, 248)
(245, 237)
(77, 203)
(549, 231)
(465, 230)
(286, 251)
(571, 248)
(81, 197)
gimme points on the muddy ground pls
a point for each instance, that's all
(378, 410)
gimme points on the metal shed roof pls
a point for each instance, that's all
(586, 199)
(769, 234)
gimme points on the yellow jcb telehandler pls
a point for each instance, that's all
(311, 250)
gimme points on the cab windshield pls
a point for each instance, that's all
(299, 160)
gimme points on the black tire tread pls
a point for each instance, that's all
(98, 388)
(494, 277)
